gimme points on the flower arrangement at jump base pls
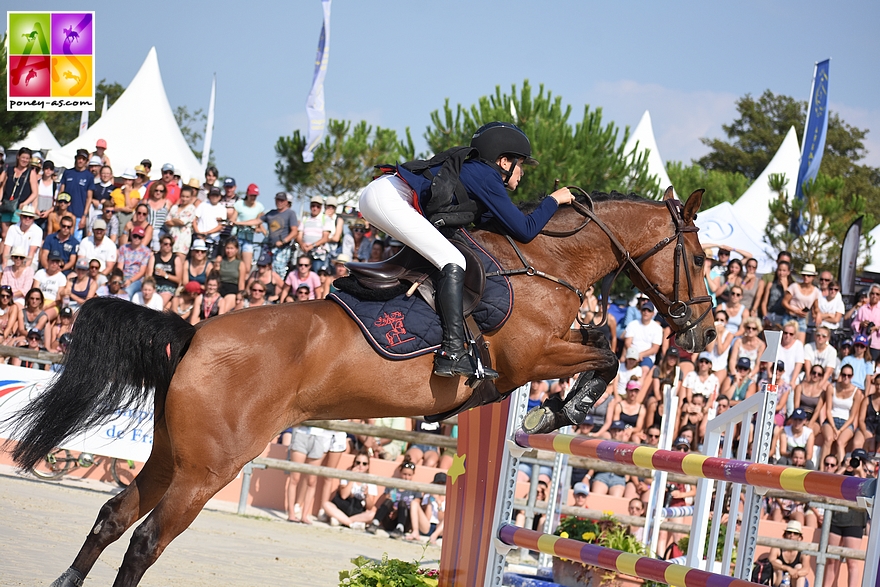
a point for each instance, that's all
(389, 572)
(607, 532)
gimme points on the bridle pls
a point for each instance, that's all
(678, 312)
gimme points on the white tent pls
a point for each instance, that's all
(721, 226)
(644, 136)
(39, 139)
(754, 204)
(140, 125)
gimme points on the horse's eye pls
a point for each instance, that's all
(699, 260)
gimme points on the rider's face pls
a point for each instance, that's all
(517, 175)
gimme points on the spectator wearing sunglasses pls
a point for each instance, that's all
(355, 242)
(820, 353)
(33, 342)
(828, 309)
(393, 506)
(842, 405)
(354, 503)
(867, 319)
(134, 259)
(25, 234)
(140, 220)
(860, 361)
(62, 243)
(20, 277)
(10, 314)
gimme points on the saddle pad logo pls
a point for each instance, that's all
(397, 332)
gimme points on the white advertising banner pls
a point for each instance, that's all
(125, 435)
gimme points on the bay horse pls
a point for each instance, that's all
(226, 387)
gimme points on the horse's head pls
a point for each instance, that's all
(673, 277)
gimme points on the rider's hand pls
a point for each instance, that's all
(562, 196)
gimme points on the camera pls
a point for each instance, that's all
(855, 462)
(866, 328)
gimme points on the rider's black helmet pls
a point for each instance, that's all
(495, 139)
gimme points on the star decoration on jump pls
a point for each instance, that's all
(457, 467)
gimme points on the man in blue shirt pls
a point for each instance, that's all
(63, 243)
(78, 182)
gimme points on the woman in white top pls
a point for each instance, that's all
(749, 345)
(719, 349)
(148, 296)
(701, 381)
(799, 298)
(736, 311)
(842, 403)
(46, 190)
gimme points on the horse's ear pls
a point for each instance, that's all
(692, 205)
(669, 194)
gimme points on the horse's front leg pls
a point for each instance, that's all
(597, 366)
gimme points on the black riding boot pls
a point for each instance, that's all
(452, 359)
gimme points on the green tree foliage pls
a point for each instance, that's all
(65, 125)
(756, 135)
(343, 161)
(827, 212)
(720, 186)
(14, 126)
(191, 125)
(587, 154)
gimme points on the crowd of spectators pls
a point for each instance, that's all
(196, 247)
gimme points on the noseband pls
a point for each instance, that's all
(678, 312)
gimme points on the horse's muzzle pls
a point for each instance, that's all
(688, 339)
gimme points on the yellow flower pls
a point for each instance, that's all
(563, 535)
(588, 536)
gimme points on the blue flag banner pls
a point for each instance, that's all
(817, 127)
(315, 101)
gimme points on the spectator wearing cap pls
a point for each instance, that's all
(355, 243)
(172, 188)
(53, 283)
(740, 385)
(267, 277)
(211, 176)
(303, 293)
(82, 285)
(799, 299)
(148, 167)
(111, 221)
(18, 185)
(314, 234)
(796, 435)
(793, 562)
(62, 243)
(98, 246)
(580, 491)
(34, 342)
(627, 370)
(606, 483)
(198, 266)
(47, 187)
(185, 303)
(134, 259)
(860, 361)
(95, 164)
(247, 220)
(631, 412)
(20, 277)
(26, 234)
(101, 151)
(59, 211)
(339, 270)
(229, 186)
(282, 227)
(181, 217)
(209, 216)
(57, 330)
(645, 335)
(867, 320)
(78, 183)
(843, 402)
(141, 219)
(101, 192)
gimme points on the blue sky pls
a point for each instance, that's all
(393, 62)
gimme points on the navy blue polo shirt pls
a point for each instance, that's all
(77, 184)
(66, 248)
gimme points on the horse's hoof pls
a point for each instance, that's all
(69, 578)
(542, 420)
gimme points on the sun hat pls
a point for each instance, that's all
(809, 269)
(794, 527)
(331, 201)
(129, 173)
(140, 170)
(27, 211)
(317, 200)
(95, 160)
(199, 245)
(194, 183)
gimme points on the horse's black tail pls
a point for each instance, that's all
(119, 354)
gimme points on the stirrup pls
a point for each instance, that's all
(453, 365)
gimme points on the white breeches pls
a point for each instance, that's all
(387, 204)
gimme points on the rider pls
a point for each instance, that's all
(394, 203)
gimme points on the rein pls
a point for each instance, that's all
(678, 312)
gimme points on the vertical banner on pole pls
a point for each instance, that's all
(814, 135)
(209, 127)
(315, 101)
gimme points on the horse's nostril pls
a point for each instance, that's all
(711, 335)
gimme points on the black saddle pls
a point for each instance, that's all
(409, 267)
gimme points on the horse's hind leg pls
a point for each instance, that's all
(123, 510)
(192, 485)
